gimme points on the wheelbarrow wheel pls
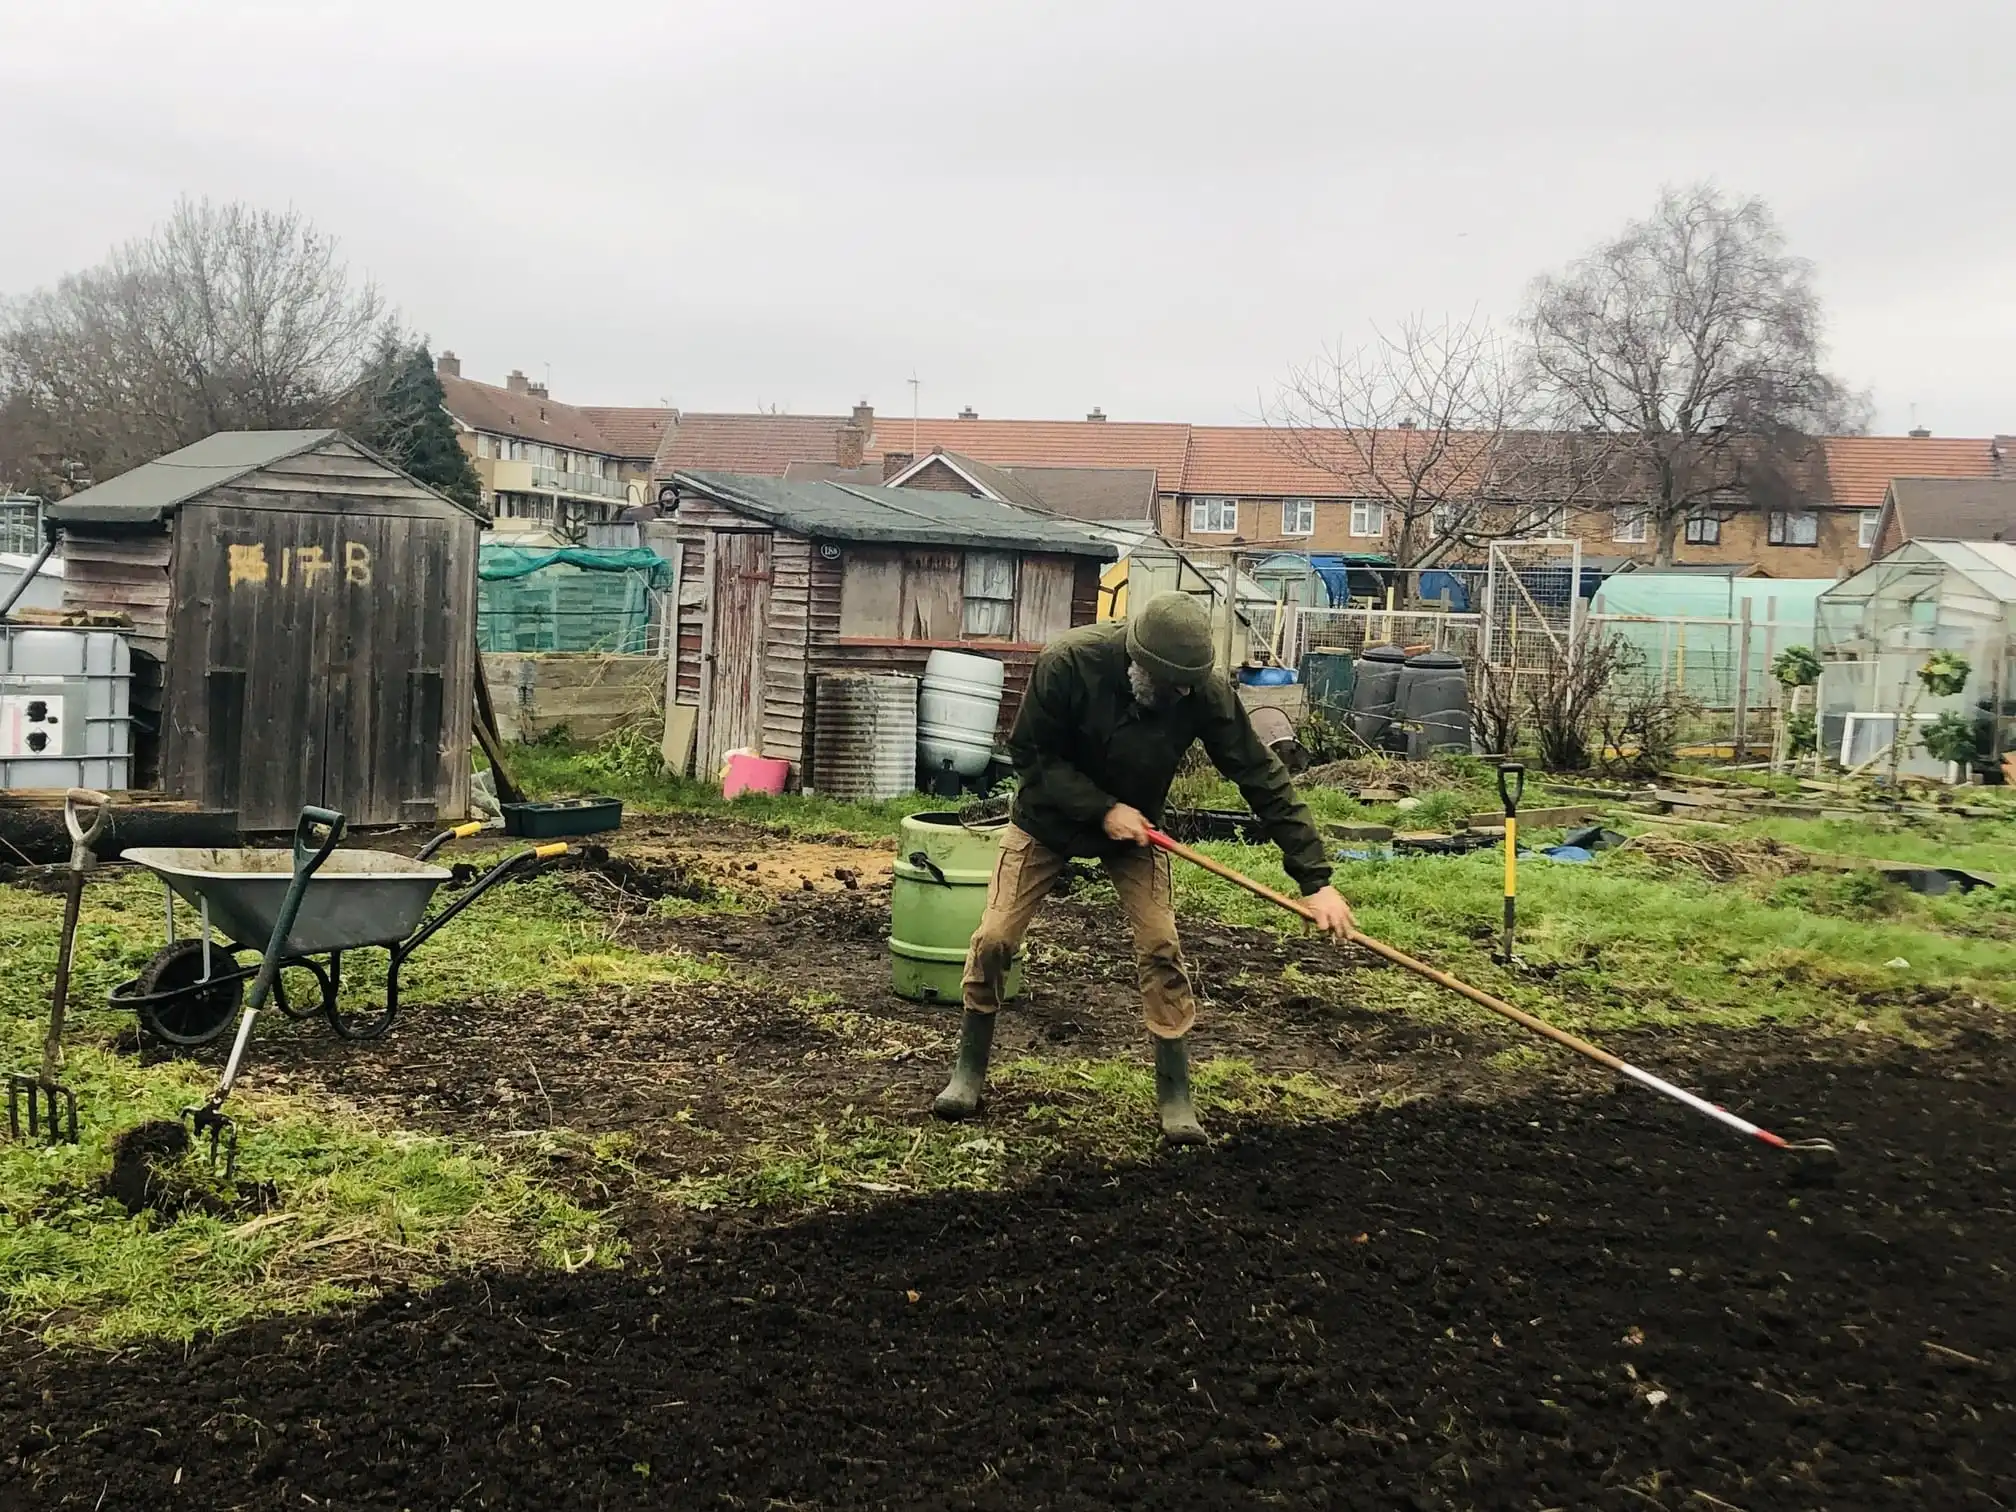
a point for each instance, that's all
(201, 1011)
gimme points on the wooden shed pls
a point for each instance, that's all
(305, 612)
(781, 580)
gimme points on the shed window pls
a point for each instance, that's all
(1865, 528)
(1368, 518)
(1298, 517)
(1794, 527)
(990, 593)
(1214, 516)
(1704, 530)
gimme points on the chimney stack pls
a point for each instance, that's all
(517, 382)
(1097, 414)
(864, 416)
(893, 463)
(536, 390)
(1919, 433)
(969, 413)
(448, 365)
(848, 443)
(1407, 424)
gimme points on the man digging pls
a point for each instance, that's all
(1111, 711)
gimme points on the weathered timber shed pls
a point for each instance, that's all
(782, 580)
(307, 613)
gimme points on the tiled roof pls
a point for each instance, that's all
(1093, 493)
(1859, 468)
(1045, 443)
(633, 432)
(763, 445)
(1955, 509)
(1234, 460)
(500, 411)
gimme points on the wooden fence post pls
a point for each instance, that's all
(1742, 742)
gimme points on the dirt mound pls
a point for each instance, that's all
(1598, 1304)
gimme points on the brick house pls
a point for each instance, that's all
(544, 463)
(1240, 486)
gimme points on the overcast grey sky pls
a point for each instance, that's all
(1150, 205)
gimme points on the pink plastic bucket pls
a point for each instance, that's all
(754, 774)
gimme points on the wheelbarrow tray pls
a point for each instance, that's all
(357, 898)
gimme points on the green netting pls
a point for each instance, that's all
(1671, 620)
(573, 599)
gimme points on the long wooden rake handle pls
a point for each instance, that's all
(1484, 999)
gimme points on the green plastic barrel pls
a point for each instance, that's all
(940, 891)
(1328, 675)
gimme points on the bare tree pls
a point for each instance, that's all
(1414, 424)
(1693, 340)
(224, 318)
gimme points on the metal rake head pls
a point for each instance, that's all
(52, 1109)
(221, 1132)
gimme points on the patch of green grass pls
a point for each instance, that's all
(352, 1206)
(353, 1202)
(1625, 949)
(562, 771)
(1075, 1108)
(1986, 845)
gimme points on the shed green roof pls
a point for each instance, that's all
(151, 491)
(894, 516)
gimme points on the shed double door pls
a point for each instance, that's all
(327, 652)
(739, 584)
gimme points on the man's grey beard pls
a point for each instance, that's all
(1147, 691)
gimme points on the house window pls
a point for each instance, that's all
(1546, 520)
(1298, 517)
(1704, 530)
(990, 594)
(482, 446)
(1444, 520)
(1368, 518)
(1628, 524)
(1214, 516)
(1794, 527)
(1865, 527)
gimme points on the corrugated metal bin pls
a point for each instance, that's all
(864, 735)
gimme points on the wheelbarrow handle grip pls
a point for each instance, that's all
(81, 834)
(1512, 786)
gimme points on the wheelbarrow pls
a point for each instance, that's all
(191, 989)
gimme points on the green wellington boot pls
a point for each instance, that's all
(1172, 1093)
(961, 1097)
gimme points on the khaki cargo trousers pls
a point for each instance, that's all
(1024, 873)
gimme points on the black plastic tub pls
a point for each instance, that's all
(566, 816)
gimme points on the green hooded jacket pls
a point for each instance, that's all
(1081, 744)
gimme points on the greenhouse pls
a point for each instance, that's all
(1878, 629)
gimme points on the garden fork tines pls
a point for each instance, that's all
(52, 1106)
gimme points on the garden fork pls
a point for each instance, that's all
(52, 1106)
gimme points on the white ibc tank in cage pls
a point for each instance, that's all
(65, 709)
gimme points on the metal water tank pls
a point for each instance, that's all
(864, 735)
(65, 709)
(957, 710)
(1373, 693)
(1433, 705)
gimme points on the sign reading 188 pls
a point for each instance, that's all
(310, 566)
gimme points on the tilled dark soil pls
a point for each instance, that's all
(1582, 1303)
